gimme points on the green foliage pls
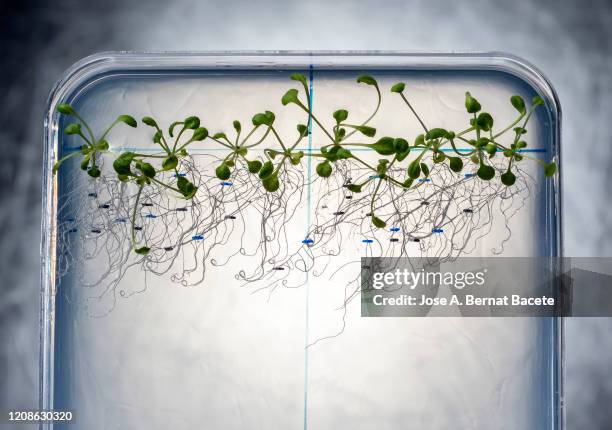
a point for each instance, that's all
(271, 183)
(199, 134)
(398, 88)
(550, 169)
(414, 169)
(508, 178)
(486, 173)
(355, 188)
(127, 119)
(484, 121)
(143, 250)
(266, 170)
(378, 223)
(170, 162)
(144, 170)
(518, 103)
(455, 164)
(291, 96)
(65, 109)
(340, 115)
(223, 171)
(254, 166)
(368, 80)
(384, 146)
(324, 169)
(149, 121)
(471, 104)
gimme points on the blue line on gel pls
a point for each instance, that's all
(394, 229)
(367, 241)
(197, 237)
(307, 241)
(437, 230)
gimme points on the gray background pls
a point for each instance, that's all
(569, 40)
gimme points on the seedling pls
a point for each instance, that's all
(480, 141)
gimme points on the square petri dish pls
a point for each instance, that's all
(241, 309)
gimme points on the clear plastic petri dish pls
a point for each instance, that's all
(241, 308)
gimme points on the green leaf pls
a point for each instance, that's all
(414, 169)
(143, 250)
(343, 154)
(435, 133)
(296, 157)
(420, 140)
(518, 103)
(291, 96)
(254, 166)
(147, 169)
(73, 129)
(366, 79)
(157, 137)
(270, 117)
(299, 78)
(425, 169)
(400, 144)
(170, 162)
(485, 172)
(123, 162)
(220, 136)
(259, 119)
(102, 145)
(484, 121)
(519, 130)
(408, 183)
(172, 126)
(324, 169)
(537, 101)
(94, 172)
(508, 178)
(475, 159)
(66, 109)
(491, 148)
(471, 104)
(223, 172)
(266, 170)
(270, 183)
(340, 115)
(192, 122)
(149, 121)
(398, 88)
(364, 129)
(242, 151)
(521, 144)
(199, 134)
(438, 157)
(85, 162)
(129, 120)
(455, 164)
(384, 146)
(187, 189)
(302, 129)
(355, 188)
(237, 126)
(550, 169)
(378, 222)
